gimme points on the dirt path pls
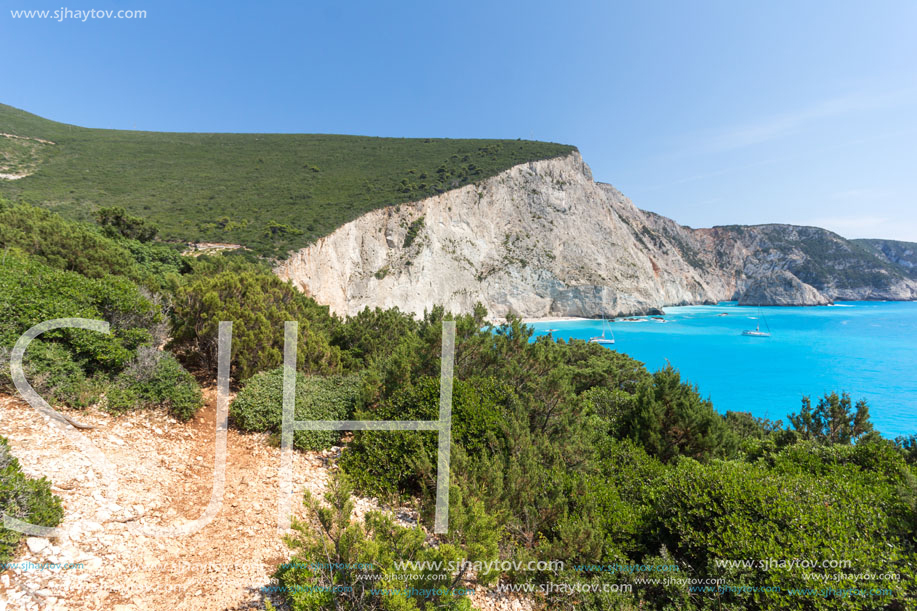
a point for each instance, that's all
(165, 475)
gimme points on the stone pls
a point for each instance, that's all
(781, 288)
(36, 544)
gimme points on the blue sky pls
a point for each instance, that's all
(708, 112)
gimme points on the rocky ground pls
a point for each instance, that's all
(164, 477)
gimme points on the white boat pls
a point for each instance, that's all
(602, 339)
(757, 332)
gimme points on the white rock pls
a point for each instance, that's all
(36, 544)
(93, 564)
(540, 239)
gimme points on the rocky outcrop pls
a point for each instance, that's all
(783, 289)
(543, 239)
(902, 255)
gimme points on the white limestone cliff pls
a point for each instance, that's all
(540, 239)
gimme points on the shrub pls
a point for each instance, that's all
(116, 222)
(389, 462)
(156, 379)
(90, 250)
(735, 511)
(63, 244)
(25, 499)
(670, 419)
(412, 232)
(312, 579)
(371, 334)
(55, 375)
(258, 303)
(35, 292)
(907, 445)
(173, 387)
(259, 406)
(156, 262)
(119, 399)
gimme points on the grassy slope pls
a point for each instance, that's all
(185, 183)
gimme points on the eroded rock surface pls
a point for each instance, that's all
(543, 239)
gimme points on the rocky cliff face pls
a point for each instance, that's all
(544, 239)
(781, 288)
(903, 255)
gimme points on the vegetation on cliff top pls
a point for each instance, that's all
(269, 192)
(901, 254)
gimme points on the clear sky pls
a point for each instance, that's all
(707, 112)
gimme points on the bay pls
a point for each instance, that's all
(866, 348)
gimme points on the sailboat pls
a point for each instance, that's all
(601, 339)
(757, 332)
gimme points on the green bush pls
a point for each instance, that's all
(156, 379)
(34, 292)
(120, 400)
(259, 406)
(311, 581)
(834, 420)
(412, 232)
(907, 445)
(116, 222)
(74, 366)
(172, 386)
(87, 249)
(258, 303)
(55, 375)
(670, 419)
(371, 334)
(389, 462)
(735, 511)
(63, 244)
(25, 499)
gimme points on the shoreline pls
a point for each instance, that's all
(726, 304)
(556, 319)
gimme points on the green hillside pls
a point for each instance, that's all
(269, 192)
(903, 255)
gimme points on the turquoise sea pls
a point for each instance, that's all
(866, 348)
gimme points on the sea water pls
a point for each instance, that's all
(866, 348)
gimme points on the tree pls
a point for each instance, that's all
(834, 419)
(115, 221)
(259, 303)
(670, 419)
